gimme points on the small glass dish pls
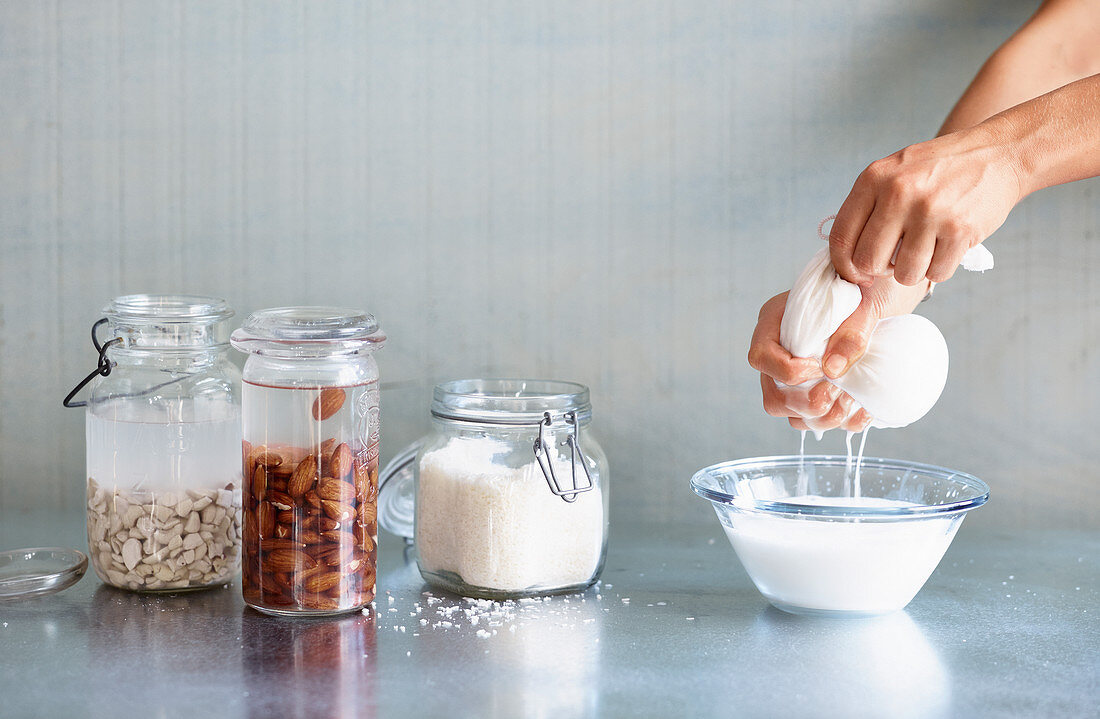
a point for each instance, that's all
(811, 548)
(43, 570)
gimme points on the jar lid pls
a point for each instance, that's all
(308, 332)
(509, 401)
(168, 308)
(168, 322)
(39, 571)
(397, 493)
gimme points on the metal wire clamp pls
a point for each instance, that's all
(103, 366)
(575, 454)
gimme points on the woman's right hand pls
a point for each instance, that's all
(797, 387)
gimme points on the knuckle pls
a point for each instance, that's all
(863, 262)
(954, 230)
(907, 275)
(941, 273)
(755, 356)
(773, 407)
(897, 188)
(878, 170)
(923, 205)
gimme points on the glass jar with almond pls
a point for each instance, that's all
(310, 459)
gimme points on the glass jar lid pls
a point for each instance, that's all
(509, 401)
(39, 571)
(308, 332)
(168, 321)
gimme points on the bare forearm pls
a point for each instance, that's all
(1057, 46)
(1054, 138)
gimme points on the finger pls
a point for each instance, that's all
(945, 260)
(858, 421)
(914, 254)
(836, 415)
(846, 229)
(768, 356)
(815, 402)
(774, 402)
(849, 342)
(878, 241)
(799, 424)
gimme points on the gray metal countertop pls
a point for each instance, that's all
(1009, 625)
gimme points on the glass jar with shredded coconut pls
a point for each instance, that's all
(511, 490)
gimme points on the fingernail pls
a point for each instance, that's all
(835, 364)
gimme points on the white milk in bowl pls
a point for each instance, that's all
(826, 553)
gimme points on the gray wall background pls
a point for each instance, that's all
(603, 192)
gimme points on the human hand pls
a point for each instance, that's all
(914, 214)
(797, 387)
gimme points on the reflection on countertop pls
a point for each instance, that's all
(1006, 626)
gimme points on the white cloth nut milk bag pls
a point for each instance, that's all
(904, 370)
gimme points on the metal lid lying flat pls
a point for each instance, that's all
(397, 493)
(39, 571)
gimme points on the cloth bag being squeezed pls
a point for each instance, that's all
(903, 372)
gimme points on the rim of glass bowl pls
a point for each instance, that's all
(771, 507)
(308, 331)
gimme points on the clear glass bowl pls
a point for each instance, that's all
(810, 548)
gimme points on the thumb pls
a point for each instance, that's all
(849, 342)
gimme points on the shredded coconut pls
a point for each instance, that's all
(499, 527)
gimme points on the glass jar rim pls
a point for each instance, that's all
(308, 331)
(510, 401)
(167, 308)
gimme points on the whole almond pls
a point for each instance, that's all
(336, 489)
(322, 602)
(335, 536)
(265, 514)
(246, 450)
(265, 456)
(322, 582)
(328, 524)
(305, 474)
(307, 536)
(365, 479)
(325, 448)
(270, 545)
(251, 532)
(341, 461)
(362, 538)
(283, 471)
(286, 517)
(328, 403)
(368, 512)
(270, 586)
(291, 454)
(281, 500)
(286, 560)
(338, 510)
(313, 499)
(337, 555)
(311, 522)
(259, 482)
